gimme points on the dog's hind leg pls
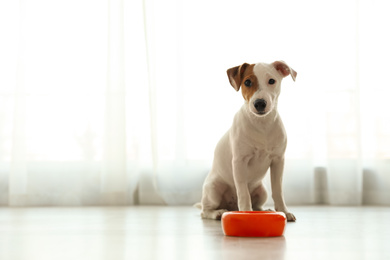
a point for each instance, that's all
(211, 200)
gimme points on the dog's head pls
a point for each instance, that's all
(260, 84)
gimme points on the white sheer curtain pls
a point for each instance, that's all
(118, 102)
(74, 114)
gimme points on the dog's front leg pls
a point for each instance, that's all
(277, 167)
(240, 181)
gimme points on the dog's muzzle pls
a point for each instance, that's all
(260, 105)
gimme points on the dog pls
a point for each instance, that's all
(255, 142)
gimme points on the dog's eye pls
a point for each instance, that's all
(271, 81)
(248, 83)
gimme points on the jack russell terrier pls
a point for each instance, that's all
(255, 142)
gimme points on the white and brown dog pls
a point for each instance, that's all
(255, 142)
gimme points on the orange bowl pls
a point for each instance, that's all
(253, 223)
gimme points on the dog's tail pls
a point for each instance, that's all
(198, 205)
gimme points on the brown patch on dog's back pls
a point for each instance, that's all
(247, 92)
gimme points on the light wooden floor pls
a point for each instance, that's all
(179, 233)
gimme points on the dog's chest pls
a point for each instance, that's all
(262, 154)
(264, 149)
(260, 157)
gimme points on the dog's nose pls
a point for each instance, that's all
(260, 105)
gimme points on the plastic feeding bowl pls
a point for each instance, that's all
(253, 223)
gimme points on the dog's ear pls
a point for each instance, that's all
(235, 75)
(284, 69)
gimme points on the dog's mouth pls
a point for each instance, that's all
(260, 114)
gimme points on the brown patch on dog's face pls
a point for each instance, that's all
(249, 83)
(243, 77)
(236, 74)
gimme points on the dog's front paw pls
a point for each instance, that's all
(290, 217)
